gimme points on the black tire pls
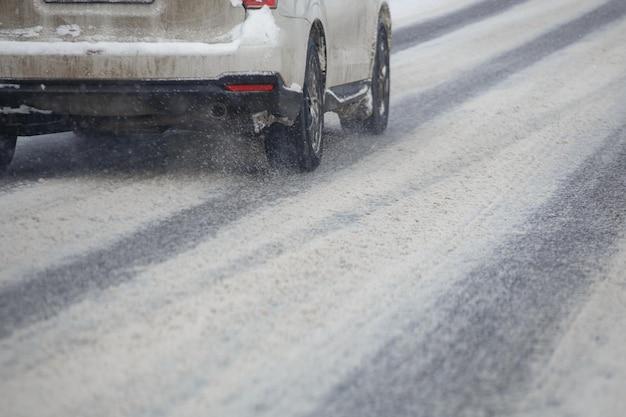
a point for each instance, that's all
(301, 146)
(377, 122)
(7, 150)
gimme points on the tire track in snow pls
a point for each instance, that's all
(49, 291)
(46, 293)
(123, 154)
(404, 38)
(409, 36)
(450, 94)
(492, 324)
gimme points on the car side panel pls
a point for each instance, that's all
(351, 28)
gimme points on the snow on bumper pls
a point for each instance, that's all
(264, 43)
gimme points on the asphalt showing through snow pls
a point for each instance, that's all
(476, 81)
(492, 326)
(409, 36)
(503, 313)
(46, 293)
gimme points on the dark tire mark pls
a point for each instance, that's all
(409, 36)
(448, 95)
(494, 322)
(44, 294)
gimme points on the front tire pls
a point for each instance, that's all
(378, 120)
(301, 146)
(7, 150)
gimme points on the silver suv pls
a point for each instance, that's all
(267, 67)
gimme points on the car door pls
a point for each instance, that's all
(346, 31)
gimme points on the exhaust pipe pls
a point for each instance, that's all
(218, 111)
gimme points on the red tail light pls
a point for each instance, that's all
(249, 88)
(257, 4)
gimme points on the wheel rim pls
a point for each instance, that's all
(382, 78)
(313, 102)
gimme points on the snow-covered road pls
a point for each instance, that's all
(468, 263)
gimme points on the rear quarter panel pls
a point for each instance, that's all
(357, 25)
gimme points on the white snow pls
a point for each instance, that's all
(585, 375)
(67, 201)
(294, 87)
(359, 93)
(448, 56)
(260, 28)
(68, 30)
(15, 86)
(116, 48)
(23, 109)
(404, 12)
(268, 315)
(29, 32)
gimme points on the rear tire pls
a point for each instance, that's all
(7, 150)
(300, 146)
(378, 120)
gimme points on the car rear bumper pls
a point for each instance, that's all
(281, 50)
(42, 106)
